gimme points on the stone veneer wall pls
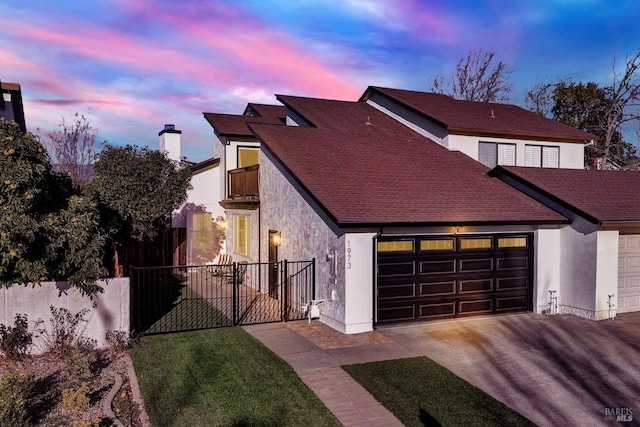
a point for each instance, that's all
(305, 235)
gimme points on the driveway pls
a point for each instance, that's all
(556, 371)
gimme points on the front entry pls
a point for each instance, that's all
(274, 242)
(435, 277)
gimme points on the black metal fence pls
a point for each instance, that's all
(182, 298)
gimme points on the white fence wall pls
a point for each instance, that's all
(107, 311)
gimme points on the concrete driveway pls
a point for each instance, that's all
(556, 371)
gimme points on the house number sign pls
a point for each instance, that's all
(348, 254)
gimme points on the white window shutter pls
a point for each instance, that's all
(532, 155)
(487, 153)
(550, 157)
(507, 154)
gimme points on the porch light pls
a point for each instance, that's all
(222, 224)
(277, 238)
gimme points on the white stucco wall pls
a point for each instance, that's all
(547, 267)
(358, 283)
(111, 310)
(571, 154)
(606, 273)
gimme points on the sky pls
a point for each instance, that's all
(132, 66)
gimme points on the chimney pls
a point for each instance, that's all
(170, 142)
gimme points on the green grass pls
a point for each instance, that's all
(420, 392)
(222, 377)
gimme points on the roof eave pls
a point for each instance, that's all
(516, 135)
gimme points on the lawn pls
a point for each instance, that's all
(420, 392)
(222, 377)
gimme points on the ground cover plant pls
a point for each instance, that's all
(420, 392)
(64, 386)
(222, 377)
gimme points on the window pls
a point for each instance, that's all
(512, 242)
(475, 243)
(241, 234)
(541, 156)
(492, 154)
(445, 244)
(202, 230)
(247, 157)
(396, 246)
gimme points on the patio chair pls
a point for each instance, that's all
(223, 265)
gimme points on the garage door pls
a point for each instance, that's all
(435, 277)
(629, 273)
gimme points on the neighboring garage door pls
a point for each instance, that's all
(435, 277)
(629, 273)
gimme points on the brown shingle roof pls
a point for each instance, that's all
(482, 118)
(276, 112)
(236, 125)
(363, 167)
(604, 195)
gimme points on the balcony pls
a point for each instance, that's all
(242, 189)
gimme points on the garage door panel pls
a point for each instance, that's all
(401, 290)
(396, 269)
(397, 313)
(476, 265)
(437, 288)
(477, 285)
(512, 263)
(438, 267)
(628, 273)
(512, 283)
(443, 309)
(480, 306)
(511, 303)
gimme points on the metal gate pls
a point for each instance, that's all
(183, 298)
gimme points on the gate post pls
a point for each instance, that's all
(234, 293)
(313, 278)
(285, 291)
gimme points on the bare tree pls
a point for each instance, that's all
(72, 148)
(540, 98)
(622, 108)
(478, 77)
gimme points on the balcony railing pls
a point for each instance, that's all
(242, 183)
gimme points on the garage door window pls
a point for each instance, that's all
(473, 243)
(512, 242)
(396, 246)
(437, 244)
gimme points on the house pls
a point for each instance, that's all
(196, 228)
(494, 134)
(239, 174)
(404, 215)
(598, 255)
(11, 104)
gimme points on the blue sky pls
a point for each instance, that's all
(134, 65)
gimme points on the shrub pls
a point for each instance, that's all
(76, 399)
(65, 333)
(15, 340)
(125, 408)
(16, 391)
(77, 369)
(118, 340)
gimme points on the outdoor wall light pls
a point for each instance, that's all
(222, 224)
(277, 238)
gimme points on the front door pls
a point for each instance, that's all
(273, 263)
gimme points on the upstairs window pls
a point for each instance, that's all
(248, 156)
(541, 156)
(492, 154)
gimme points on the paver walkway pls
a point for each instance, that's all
(556, 371)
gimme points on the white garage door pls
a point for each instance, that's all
(629, 273)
